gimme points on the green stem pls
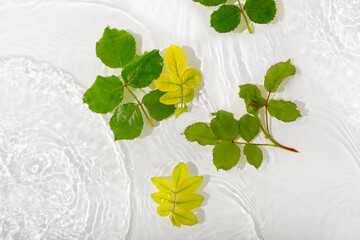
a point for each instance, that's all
(271, 139)
(247, 23)
(182, 97)
(141, 105)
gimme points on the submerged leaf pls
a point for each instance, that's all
(201, 133)
(127, 122)
(163, 198)
(185, 217)
(260, 11)
(189, 201)
(116, 48)
(277, 73)
(157, 110)
(175, 60)
(225, 126)
(143, 70)
(226, 155)
(163, 184)
(283, 110)
(253, 155)
(226, 18)
(179, 174)
(249, 127)
(105, 94)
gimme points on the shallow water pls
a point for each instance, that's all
(63, 177)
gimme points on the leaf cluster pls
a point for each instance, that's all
(224, 130)
(227, 17)
(179, 82)
(176, 198)
(117, 49)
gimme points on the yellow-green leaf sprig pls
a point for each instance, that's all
(178, 82)
(176, 198)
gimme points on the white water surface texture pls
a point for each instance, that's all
(63, 177)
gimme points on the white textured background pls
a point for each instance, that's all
(313, 195)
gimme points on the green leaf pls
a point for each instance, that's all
(163, 184)
(157, 110)
(179, 174)
(164, 210)
(278, 73)
(226, 155)
(189, 201)
(127, 122)
(181, 110)
(105, 94)
(283, 110)
(225, 126)
(260, 11)
(189, 185)
(210, 2)
(253, 99)
(249, 127)
(143, 70)
(226, 18)
(116, 48)
(185, 217)
(253, 155)
(201, 133)
(163, 198)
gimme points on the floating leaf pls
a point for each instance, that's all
(167, 82)
(260, 11)
(177, 199)
(253, 155)
(163, 184)
(201, 133)
(191, 78)
(127, 121)
(157, 110)
(249, 127)
(226, 155)
(225, 126)
(189, 201)
(253, 99)
(277, 73)
(116, 48)
(189, 185)
(143, 70)
(105, 94)
(175, 60)
(179, 174)
(163, 198)
(185, 217)
(283, 110)
(226, 18)
(210, 2)
(164, 210)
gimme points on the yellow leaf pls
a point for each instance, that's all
(163, 198)
(189, 201)
(167, 82)
(164, 210)
(191, 78)
(185, 217)
(171, 98)
(189, 185)
(163, 184)
(174, 221)
(179, 174)
(188, 94)
(175, 60)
